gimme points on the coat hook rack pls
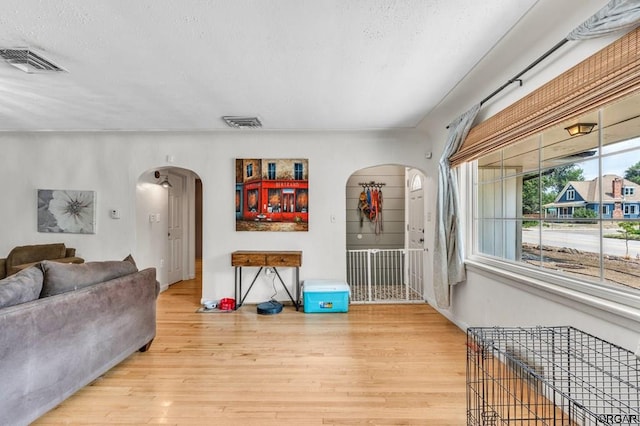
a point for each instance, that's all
(371, 184)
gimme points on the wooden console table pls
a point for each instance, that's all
(265, 259)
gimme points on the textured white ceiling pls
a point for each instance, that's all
(297, 64)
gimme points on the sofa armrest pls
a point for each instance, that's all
(3, 268)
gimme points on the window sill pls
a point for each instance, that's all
(610, 304)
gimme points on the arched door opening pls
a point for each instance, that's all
(169, 224)
(385, 235)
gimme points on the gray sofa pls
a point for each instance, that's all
(85, 319)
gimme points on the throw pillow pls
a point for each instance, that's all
(22, 287)
(64, 277)
(129, 258)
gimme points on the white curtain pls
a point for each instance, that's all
(448, 262)
(617, 15)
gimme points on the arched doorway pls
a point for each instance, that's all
(169, 223)
(385, 234)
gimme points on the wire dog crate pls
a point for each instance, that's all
(549, 376)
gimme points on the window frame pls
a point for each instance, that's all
(610, 303)
(601, 79)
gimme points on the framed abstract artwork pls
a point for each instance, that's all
(66, 211)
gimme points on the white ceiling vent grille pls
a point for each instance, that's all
(28, 61)
(242, 122)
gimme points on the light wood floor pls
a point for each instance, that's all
(376, 364)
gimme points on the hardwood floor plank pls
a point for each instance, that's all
(375, 365)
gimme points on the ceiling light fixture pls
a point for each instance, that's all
(164, 182)
(242, 122)
(580, 129)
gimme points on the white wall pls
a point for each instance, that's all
(487, 299)
(114, 165)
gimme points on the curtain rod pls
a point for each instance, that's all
(533, 64)
(517, 77)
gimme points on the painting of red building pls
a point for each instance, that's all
(272, 194)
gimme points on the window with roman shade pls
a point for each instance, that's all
(564, 207)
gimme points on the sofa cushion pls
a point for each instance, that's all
(64, 277)
(22, 287)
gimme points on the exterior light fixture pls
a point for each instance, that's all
(580, 129)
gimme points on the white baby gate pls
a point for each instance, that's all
(385, 275)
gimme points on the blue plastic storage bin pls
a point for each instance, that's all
(320, 296)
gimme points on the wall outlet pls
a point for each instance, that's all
(161, 263)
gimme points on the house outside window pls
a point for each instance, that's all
(545, 209)
(249, 170)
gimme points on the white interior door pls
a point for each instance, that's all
(176, 228)
(415, 232)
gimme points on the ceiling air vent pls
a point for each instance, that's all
(27, 60)
(242, 122)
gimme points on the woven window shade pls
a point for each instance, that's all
(608, 75)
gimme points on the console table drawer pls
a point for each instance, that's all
(284, 259)
(248, 259)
